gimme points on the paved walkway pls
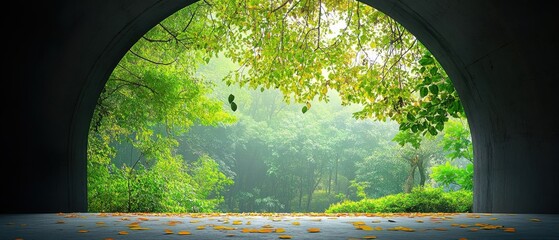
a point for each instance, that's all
(94, 226)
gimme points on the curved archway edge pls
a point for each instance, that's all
(500, 56)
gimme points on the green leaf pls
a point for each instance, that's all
(434, 89)
(433, 131)
(433, 70)
(231, 98)
(439, 126)
(233, 106)
(423, 92)
(410, 117)
(305, 109)
(426, 61)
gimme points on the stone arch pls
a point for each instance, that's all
(502, 65)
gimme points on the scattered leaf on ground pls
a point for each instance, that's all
(313, 230)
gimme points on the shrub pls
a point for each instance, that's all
(419, 200)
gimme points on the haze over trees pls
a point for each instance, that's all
(222, 106)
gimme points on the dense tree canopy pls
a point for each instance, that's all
(301, 51)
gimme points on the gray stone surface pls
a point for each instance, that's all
(426, 226)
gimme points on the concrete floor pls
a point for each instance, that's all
(115, 226)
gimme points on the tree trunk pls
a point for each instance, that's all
(300, 192)
(329, 180)
(409, 181)
(336, 176)
(422, 174)
(313, 187)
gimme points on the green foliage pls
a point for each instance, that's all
(384, 172)
(419, 200)
(405, 136)
(351, 54)
(366, 57)
(457, 140)
(448, 174)
(151, 99)
(165, 187)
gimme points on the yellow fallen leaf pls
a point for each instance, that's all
(510, 230)
(378, 228)
(462, 239)
(370, 237)
(376, 221)
(134, 224)
(265, 230)
(123, 233)
(296, 223)
(419, 221)
(138, 228)
(313, 230)
(200, 228)
(168, 231)
(364, 228)
(83, 231)
(237, 222)
(183, 233)
(493, 219)
(280, 230)
(284, 237)
(223, 228)
(230, 235)
(400, 228)
(440, 229)
(248, 223)
(173, 223)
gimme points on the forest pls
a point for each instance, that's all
(279, 106)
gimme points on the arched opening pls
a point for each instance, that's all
(397, 80)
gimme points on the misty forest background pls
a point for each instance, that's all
(189, 124)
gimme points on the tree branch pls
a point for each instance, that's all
(151, 61)
(191, 18)
(135, 84)
(281, 6)
(156, 40)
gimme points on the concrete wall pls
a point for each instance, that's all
(501, 56)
